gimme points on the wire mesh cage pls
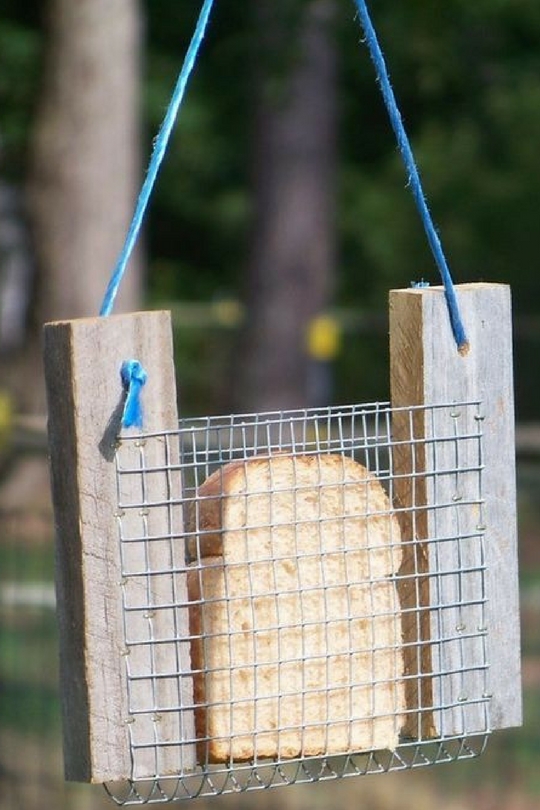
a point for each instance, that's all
(261, 600)
(303, 597)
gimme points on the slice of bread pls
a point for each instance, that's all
(297, 642)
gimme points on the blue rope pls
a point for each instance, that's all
(160, 147)
(133, 378)
(415, 183)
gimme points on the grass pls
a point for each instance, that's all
(510, 759)
(29, 700)
(21, 563)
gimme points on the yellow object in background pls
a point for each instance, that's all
(228, 312)
(324, 338)
(6, 418)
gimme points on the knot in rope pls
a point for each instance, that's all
(133, 378)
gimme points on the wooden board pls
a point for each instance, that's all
(113, 729)
(426, 368)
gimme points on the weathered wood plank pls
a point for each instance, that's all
(427, 369)
(99, 699)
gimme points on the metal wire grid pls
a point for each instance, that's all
(250, 652)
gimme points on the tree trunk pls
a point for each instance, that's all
(85, 161)
(83, 174)
(291, 267)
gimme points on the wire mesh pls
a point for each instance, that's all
(303, 597)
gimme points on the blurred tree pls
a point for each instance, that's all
(290, 272)
(200, 208)
(83, 169)
(466, 77)
(467, 80)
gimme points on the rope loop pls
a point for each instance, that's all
(162, 141)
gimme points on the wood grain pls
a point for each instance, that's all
(85, 397)
(427, 369)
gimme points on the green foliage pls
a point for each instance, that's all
(19, 72)
(201, 207)
(467, 78)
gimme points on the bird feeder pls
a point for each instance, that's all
(256, 600)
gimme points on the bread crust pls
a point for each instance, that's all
(297, 647)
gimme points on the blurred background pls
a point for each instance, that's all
(280, 220)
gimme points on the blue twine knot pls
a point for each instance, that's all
(133, 378)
